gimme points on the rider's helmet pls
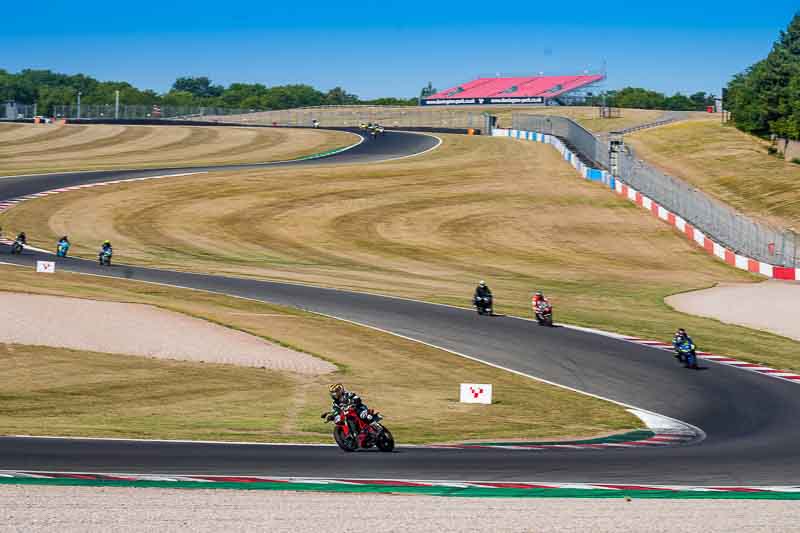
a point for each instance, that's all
(106, 243)
(64, 238)
(336, 390)
(539, 295)
(482, 283)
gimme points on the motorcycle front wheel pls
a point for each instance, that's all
(385, 441)
(348, 444)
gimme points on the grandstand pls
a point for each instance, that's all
(528, 90)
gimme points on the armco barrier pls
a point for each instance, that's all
(691, 233)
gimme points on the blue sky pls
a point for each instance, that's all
(392, 48)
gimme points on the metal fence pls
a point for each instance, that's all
(722, 223)
(14, 111)
(129, 112)
(589, 147)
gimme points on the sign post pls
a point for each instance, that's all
(476, 393)
(46, 267)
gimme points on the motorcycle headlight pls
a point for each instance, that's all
(338, 419)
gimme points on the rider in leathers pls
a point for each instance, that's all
(341, 399)
(482, 290)
(680, 338)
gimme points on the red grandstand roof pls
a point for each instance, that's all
(528, 86)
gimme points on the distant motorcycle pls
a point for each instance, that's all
(104, 257)
(348, 426)
(62, 249)
(686, 354)
(544, 313)
(483, 304)
(17, 246)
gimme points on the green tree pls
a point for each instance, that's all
(199, 86)
(338, 96)
(765, 98)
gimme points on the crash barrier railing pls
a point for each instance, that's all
(353, 116)
(723, 224)
(324, 116)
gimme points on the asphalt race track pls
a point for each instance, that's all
(749, 419)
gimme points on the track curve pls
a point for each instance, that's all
(748, 418)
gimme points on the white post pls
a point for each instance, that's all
(79, 105)
(116, 106)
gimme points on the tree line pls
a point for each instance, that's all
(47, 89)
(765, 98)
(639, 98)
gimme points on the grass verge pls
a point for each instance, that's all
(66, 392)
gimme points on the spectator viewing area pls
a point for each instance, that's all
(516, 90)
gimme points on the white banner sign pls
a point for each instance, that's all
(476, 393)
(48, 267)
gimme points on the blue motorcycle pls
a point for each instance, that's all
(63, 248)
(686, 354)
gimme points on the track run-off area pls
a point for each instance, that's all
(746, 419)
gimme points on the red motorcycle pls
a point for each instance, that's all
(544, 313)
(348, 427)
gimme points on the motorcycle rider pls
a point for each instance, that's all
(63, 241)
(481, 291)
(537, 299)
(681, 337)
(342, 398)
(22, 238)
(106, 249)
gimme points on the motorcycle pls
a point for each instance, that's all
(348, 426)
(686, 354)
(483, 304)
(544, 314)
(17, 246)
(105, 257)
(62, 249)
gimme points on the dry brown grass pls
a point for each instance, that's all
(46, 148)
(728, 164)
(65, 392)
(508, 211)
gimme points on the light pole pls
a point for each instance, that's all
(79, 105)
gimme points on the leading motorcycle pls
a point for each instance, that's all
(348, 426)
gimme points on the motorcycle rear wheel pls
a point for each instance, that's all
(385, 441)
(348, 444)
